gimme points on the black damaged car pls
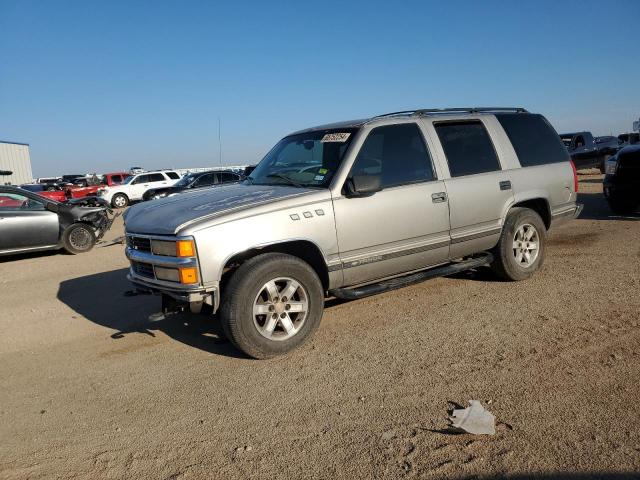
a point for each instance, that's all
(622, 180)
(193, 181)
(29, 223)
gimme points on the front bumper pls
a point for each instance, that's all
(185, 293)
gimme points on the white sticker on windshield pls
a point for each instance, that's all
(317, 178)
(336, 137)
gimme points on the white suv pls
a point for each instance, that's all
(133, 187)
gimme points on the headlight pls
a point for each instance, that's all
(161, 247)
(168, 274)
(611, 166)
(181, 248)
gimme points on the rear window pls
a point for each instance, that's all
(534, 139)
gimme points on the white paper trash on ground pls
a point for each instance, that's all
(474, 419)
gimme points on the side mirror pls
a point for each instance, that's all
(363, 185)
(52, 207)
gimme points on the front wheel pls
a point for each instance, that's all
(272, 304)
(119, 200)
(522, 246)
(78, 238)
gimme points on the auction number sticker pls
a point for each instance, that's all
(336, 137)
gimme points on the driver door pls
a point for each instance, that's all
(403, 227)
(25, 223)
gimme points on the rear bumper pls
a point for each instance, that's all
(566, 215)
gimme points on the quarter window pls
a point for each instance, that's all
(397, 153)
(468, 148)
(173, 175)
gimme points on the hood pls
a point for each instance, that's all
(167, 215)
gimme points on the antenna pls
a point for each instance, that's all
(220, 141)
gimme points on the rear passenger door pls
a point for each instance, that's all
(479, 191)
(403, 227)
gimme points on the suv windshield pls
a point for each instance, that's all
(304, 160)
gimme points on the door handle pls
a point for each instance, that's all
(439, 197)
(505, 185)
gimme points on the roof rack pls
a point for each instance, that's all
(439, 111)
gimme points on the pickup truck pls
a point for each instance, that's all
(352, 209)
(584, 150)
(108, 180)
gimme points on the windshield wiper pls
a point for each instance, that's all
(286, 179)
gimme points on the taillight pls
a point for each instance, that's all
(575, 176)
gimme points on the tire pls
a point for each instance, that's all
(78, 238)
(261, 335)
(508, 264)
(620, 206)
(119, 200)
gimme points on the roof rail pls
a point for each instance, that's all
(438, 111)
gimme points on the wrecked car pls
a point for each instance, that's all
(29, 222)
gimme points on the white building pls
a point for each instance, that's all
(14, 157)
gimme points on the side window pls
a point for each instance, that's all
(156, 177)
(13, 202)
(534, 139)
(173, 175)
(467, 147)
(116, 179)
(205, 180)
(140, 179)
(397, 153)
(226, 177)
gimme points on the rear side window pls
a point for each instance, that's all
(156, 177)
(468, 148)
(397, 153)
(534, 139)
(226, 177)
(173, 175)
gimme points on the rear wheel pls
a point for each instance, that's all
(272, 304)
(78, 238)
(522, 246)
(120, 200)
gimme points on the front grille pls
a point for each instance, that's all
(143, 269)
(141, 244)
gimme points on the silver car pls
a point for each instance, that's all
(355, 208)
(30, 222)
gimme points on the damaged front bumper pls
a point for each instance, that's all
(142, 277)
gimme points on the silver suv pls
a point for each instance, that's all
(355, 208)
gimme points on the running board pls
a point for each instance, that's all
(482, 259)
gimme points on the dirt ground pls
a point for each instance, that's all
(90, 389)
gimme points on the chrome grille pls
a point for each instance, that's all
(141, 244)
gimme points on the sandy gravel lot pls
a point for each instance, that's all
(90, 389)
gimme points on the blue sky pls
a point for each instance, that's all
(101, 86)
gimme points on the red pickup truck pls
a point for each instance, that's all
(51, 191)
(108, 179)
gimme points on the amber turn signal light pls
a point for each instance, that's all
(189, 275)
(185, 248)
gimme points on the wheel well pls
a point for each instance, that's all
(540, 206)
(304, 250)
